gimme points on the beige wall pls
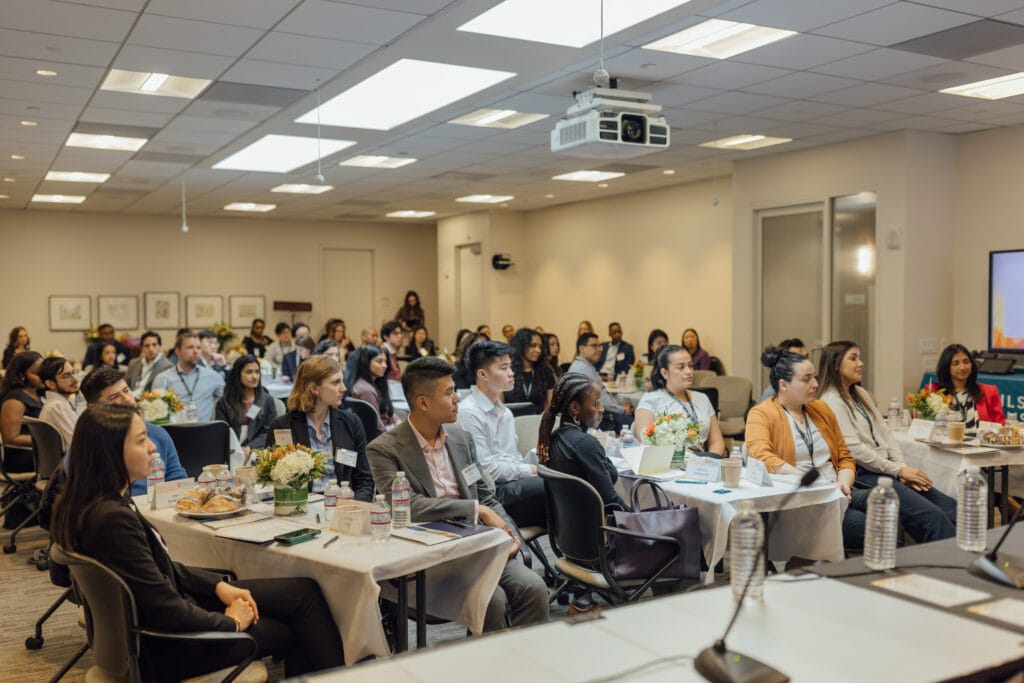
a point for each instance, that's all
(50, 252)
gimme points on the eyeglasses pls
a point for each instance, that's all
(66, 375)
(593, 346)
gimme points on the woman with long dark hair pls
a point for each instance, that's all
(655, 340)
(94, 517)
(106, 356)
(420, 344)
(20, 394)
(691, 340)
(534, 378)
(411, 312)
(371, 384)
(973, 402)
(552, 347)
(17, 341)
(246, 405)
(338, 333)
(256, 342)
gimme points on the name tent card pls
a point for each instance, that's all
(703, 468)
(167, 493)
(921, 429)
(756, 473)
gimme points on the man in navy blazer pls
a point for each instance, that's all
(616, 355)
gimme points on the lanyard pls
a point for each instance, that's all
(808, 436)
(527, 387)
(864, 411)
(687, 406)
(962, 407)
(184, 384)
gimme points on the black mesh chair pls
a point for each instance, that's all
(113, 631)
(580, 538)
(367, 415)
(47, 450)
(522, 408)
(200, 444)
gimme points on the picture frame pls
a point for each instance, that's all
(121, 311)
(70, 313)
(244, 308)
(202, 312)
(163, 310)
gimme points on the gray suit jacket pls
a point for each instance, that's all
(586, 369)
(398, 449)
(135, 371)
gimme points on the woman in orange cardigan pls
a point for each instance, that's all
(793, 432)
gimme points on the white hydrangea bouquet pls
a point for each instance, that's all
(160, 405)
(676, 430)
(290, 469)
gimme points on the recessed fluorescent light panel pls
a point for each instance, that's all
(719, 39)
(152, 83)
(112, 142)
(59, 198)
(992, 89)
(410, 214)
(573, 23)
(249, 206)
(588, 176)
(281, 153)
(378, 161)
(745, 142)
(485, 198)
(497, 118)
(406, 90)
(302, 189)
(77, 177)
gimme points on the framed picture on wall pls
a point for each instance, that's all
(245, 308)
(163, 310)
(203, 312)
(70, 313)
(120, 311)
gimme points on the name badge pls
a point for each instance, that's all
(757, 473)
(283, 437)
(471, 473)
(344, 456)
(167, 493)
(703, 468)
(621, 356)
(253, 412)
(120, 358)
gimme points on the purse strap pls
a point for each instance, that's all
(661, 499)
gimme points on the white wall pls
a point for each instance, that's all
(51, 252)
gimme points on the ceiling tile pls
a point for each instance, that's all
(800, 110)
(734, 125)
(1008, 58)
(208, 124)
(650, 65)
(982, 110)
(981, 8)
(39, 111)
(95, 160)
(858, 118)
(946, 75)
(671, 94)
(276, 74)
(197, 36)
(230, 111)
(729, 75)
(253, 13)
(867, 94)
(924, 104)
(291, 48)
(130, 5)
(125, 117)
(798, 131)
(895, 23)
(177, 62)
(1016, 16)
(66, 19)
(15, 69)
(967, 127)
(134, 102)
(44, 92)
(60, 49)
(347, 22)
(737, 103)
(536, 103)
(800, 15)
(800, 85)
(424, 7)
(879, 64)
(803, 52)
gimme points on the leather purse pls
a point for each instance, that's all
(631, 558)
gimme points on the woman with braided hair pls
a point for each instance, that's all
(570, 449)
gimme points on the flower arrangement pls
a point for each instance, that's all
(928, 402)
(672, 429)
(92, 335)
(291, 465)
(158, 405)
(638, 368)
(224, 333)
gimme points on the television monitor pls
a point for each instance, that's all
(1006, 301)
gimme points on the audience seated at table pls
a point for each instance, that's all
(314, 419)
(329, 348)
(173, 355)
(20, 396)
(284, 344)
(587, 351)
(246, 405)
(256, 342)
(411, 313)
(17, 341)
(106, 356)
(193, 383)
(585, 327)
(671, 379)
(552, 347)
(304, 348)
(299, 329)
(105, 385)
(926, 513)
(288, 618)
(63, 403)
(701, 358)
(421, 344)
(371, 385)
(794, 345)
(210, 355)
(462, 376)
(534, 378)
(440, 461)
(793, 432)
(973, 402)
(142, 371)
(655, 340)
(391, 333)
(570, 449)
(616, 355)
(107, 334)
(493, 429)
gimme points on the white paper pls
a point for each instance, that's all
(344, 456)
(283, 437)
(920, 429)
(1010, 610)
(253, 412)
(703, 468)
(247, 518)
(262, 531)
(757, 473)
(422, 535)
(167, 493)
(941, 593)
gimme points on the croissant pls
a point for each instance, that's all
(220, 504)
(188, 505)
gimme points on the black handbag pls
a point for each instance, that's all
(633, 558)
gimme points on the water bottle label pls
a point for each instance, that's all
(330, 500)
(191, 413)
(401, 495)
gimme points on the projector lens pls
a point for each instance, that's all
(634, 128)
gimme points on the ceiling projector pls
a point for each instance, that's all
(608, 123)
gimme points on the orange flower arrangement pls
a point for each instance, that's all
(929, 401)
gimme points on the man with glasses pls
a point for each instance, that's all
(588, 350)
(150, 363)
(63, 402)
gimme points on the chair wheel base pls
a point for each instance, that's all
(10, 549)
(33, 643)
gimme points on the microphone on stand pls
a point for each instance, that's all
(717, 663)
(1009, 570)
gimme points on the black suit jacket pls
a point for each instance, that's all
(117, 535)
(621, 365)
(290, 364)
(256, 434)
(92, 354)
(346, 432)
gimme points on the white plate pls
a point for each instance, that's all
(981, 442)
(212, 515)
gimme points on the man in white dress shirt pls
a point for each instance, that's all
(493, 428)
(63, 402)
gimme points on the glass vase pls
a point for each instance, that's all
(290, 500)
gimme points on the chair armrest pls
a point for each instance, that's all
(211, 636)
(217, 570)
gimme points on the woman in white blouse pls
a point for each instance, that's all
(925, 512)
(671, 379)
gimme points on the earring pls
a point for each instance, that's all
(576, 419)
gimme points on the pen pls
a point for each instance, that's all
(318, 518)
(688, 481)
(330, 541)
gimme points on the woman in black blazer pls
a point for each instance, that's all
(316, 399)
(246, 404)
(93, 516)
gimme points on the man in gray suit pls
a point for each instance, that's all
(588, 350)
(439, 459)
(150, 363)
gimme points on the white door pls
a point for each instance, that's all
(348, 288)
(469, 286)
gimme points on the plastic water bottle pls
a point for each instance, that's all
(939, 432)
(224, 478)
(380, 520)
(882, 526)
(156, 476)
(627, 439)
(894, 413)
(331, 500)
(345, 492)
(970, 511)
(401, 492)
(746, 540)
(191, 413)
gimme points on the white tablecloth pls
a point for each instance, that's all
(943, 467)
(461, 575)
(279, 389)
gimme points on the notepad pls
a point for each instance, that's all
(261, 532)
(920, 587)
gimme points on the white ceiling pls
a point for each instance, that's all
(840, 79)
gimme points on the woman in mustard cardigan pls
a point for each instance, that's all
(793, 432)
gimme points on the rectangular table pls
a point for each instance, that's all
(460, 575)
